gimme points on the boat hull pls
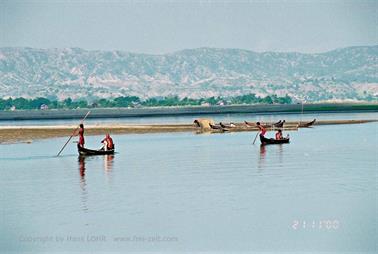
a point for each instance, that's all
(271, 141)
(86, 152)
(306, 125)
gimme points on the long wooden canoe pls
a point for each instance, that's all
(217, 127)
(304, 125)
(279, 124)
(86, 151)
(270, 141)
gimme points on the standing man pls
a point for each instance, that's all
(81, 135)
(262, 129)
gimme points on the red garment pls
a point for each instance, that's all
(81, 137)
(109, 142)
(278, 135)
(262, 129)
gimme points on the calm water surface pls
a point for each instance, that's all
(188, 192)
(217, 118)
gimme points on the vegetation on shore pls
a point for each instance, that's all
(134, 101)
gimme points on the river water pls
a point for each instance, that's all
(182, 119)
(187, 192)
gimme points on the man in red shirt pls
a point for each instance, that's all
(262, 129)
(81, 135)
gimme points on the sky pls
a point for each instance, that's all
(158, 27)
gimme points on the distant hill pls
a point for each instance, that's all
(347, 73)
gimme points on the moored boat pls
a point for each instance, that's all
(217, 127)
(86, 151)
(269, 141)
(279, 124)
(230, 125)
(250, 124)
(304, 125)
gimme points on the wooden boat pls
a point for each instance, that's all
(86, 151)
(250, 124)
(279, 124)
(269, 141)
(196, 123)
(305, 125)
(231, 125)
(217, 127)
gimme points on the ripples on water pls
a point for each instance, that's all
(212, 192)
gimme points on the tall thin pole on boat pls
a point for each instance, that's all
(302, 113)
(256, 137)
(61, 150)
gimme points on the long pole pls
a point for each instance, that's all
(61, 150)
(256, 137)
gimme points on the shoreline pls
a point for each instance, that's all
(55, 114)
(17, 134)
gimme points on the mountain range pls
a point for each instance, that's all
(342, 74)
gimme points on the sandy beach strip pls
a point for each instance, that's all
(12, 134)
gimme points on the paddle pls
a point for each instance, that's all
(61, 150)
(256, 137)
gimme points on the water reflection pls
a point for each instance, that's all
(83, 184)
(278, 149)
(108, 162)
(262, 154)
(82, 169)
(280, 153)
(107, 166)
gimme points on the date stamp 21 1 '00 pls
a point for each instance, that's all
(327, 224)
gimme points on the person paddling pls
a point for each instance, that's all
(81, 135)
(108, 143)
(261, 128)
(279, 135)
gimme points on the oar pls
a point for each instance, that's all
(256, 137)
(61, 150)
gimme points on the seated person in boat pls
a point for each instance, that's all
(81, 135)
(279, 135)
(108, 143)
(261, 128)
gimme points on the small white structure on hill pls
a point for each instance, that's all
(43, 107)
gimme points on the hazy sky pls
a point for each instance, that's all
(167, 26)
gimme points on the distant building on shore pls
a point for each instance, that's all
(43, 107)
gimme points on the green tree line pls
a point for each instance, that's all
(134, 101)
